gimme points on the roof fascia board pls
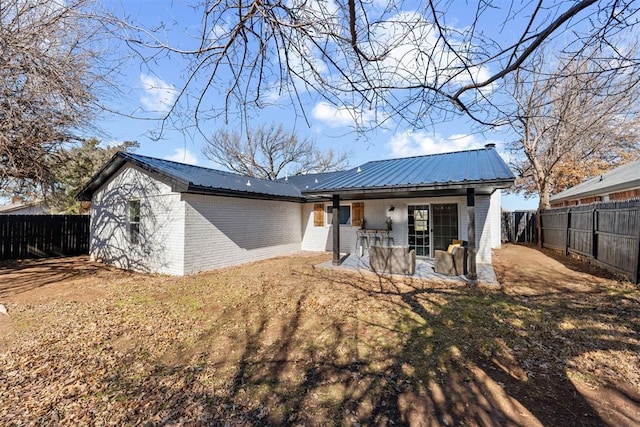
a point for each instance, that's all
(495, 184)
(630, 185)
(194, 189)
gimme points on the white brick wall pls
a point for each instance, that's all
(187, 233)
(222, 231)
(375, 213)
(496, 219)
(483, 229)
(161, 247)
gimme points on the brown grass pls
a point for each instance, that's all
(283, 342)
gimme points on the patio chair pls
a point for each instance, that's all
(392, 259)
(453, 261)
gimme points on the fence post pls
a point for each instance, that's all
(594, 234)
(636, 276)
(568, 232)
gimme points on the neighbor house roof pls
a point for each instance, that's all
(429, 174)
(619, 179)
(20, 205)
(193, 179)
(445, 171)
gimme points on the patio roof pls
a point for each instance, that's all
(436, 174)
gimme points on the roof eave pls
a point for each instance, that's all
(196, 189)
(114, 165)
(598, 191)
(495, 184)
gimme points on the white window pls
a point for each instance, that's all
(134, 221)
(345, 214)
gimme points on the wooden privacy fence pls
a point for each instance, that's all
(519, 227)
(40, 236)
(608, 234)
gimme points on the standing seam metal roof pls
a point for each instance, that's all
(458, 168)
(206, 178)
(436, 169)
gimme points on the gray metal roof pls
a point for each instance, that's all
(621, 178)
(483, 166)
(305, 182)
(194, 179)
(446, 171)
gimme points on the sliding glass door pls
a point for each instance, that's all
(418, 229)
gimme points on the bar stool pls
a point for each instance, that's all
(375, 238)
(362, 239)
(389, 240)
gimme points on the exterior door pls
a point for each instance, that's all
(418, 229)
(445, 225)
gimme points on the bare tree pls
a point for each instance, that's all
(403, 61)
(576, 117)
(80, 164)
(269, 152)
(48, 83)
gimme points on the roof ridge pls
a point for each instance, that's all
(428, 155)
(236, 174)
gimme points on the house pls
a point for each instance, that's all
(18, 206)
(621, 183)
(155, 215)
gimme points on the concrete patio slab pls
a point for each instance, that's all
(424, 270)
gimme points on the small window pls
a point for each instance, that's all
(345, 215)
(134, 221)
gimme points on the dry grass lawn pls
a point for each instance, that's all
(283, 342)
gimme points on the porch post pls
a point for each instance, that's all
(336, 229)
(471, 234)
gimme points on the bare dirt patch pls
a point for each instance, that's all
(283, 342)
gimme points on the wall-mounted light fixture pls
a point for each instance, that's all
(392, 208)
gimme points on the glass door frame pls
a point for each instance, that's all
(425, 207)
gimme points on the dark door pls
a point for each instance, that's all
(444, 224)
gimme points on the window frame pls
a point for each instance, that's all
(133, 220)
(328, 214)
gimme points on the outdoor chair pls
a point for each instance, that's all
(453, 261)
(392, 260)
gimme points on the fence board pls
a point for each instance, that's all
(519, 227)
(38, 236)
(607, 233)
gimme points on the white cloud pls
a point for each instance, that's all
(157, 95)
(409, 143)
(183, 155)
(335, 116)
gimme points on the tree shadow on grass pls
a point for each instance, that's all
(386, 351)
(17, 277)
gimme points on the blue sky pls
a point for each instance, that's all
(149, 89)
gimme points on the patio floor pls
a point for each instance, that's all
(424, 270)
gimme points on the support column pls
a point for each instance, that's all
(471, 234)
(336, 229)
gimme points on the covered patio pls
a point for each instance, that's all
(422, 203)
(424, 270)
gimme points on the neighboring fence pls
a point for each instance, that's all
(519, 227)
(608, 234)
(39, 236)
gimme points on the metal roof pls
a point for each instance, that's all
(621, 178)
(305, 182)
(194, 179)
(483, 166)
